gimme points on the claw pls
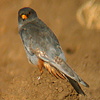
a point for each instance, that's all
(54, 72)
(48, 67)
(60, 75)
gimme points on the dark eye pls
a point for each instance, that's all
(29, 13)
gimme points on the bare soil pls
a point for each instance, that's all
(20, 80)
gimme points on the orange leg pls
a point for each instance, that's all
(60, 75)
(47, 66)
(56, 73)
(40, 65)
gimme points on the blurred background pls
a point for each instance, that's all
(76, 23)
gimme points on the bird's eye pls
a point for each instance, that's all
(29, 13)
(24, 17)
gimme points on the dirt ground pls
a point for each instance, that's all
(20, 80)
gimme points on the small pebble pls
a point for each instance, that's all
(39, 78)
(60, 89)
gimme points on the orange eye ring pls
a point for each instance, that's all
(24, 17)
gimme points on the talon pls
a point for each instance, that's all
(54, 72)
(60, 75)
(48, 67)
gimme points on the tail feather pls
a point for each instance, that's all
(66, 69)
(76, 86)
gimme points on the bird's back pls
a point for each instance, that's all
(43, 38)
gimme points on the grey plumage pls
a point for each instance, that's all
(41, 43)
